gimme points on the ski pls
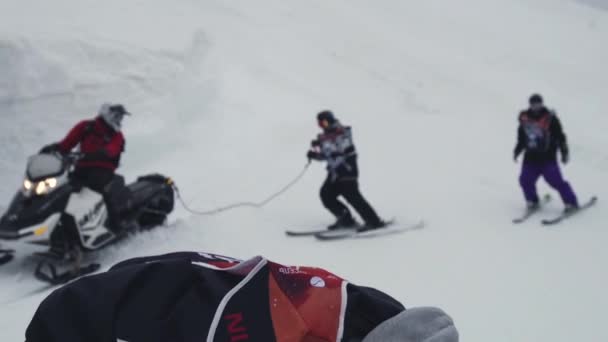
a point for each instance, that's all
(390, 228)
(310, 232)
(530, 212)
(563, 216)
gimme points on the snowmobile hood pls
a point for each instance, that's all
(25, 212)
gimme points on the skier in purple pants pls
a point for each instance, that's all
(540, 135)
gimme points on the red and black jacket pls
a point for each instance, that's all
(190, 297)
(100, 143)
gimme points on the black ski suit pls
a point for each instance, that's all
(335, 146)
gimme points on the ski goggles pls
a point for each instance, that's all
(535, 106)
(323, 123)
(118, 109)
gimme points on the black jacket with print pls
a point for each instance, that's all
(336, 147)
(188, 297)
(549, 126)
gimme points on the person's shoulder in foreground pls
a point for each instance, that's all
(189, 296)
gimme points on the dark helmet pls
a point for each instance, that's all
(326, 119)
(535, 99)
(536, 104)
(326, 115)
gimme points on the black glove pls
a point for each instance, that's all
(51, 148)
(312, 155)
(315, 143)
(565, 157)
(565, 151)
(519, 148)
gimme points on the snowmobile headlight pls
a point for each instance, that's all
(41, 188)
(51, 182)
(27, 185)
(45, 186)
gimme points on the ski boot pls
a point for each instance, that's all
(372, 226)
(532, 206)
(570, 209)
(344, 221)
(122, 227)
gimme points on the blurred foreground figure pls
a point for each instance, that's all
(191, 296)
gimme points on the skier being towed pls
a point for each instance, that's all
(335, 146)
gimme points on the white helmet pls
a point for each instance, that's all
(112, 114)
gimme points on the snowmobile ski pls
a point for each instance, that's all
(530, 212)
(47, 272)
(391, 227)
(591, 202)
(6, 255)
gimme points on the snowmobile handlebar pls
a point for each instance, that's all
(67, 158)
(72, 157)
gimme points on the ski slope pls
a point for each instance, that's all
(224, 96)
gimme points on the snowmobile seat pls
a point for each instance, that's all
(146, 187)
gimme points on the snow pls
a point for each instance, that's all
(224, 97)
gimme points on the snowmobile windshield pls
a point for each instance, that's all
(43, 166)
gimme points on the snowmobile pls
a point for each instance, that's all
(61, 219)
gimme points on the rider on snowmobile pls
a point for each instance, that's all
(101, 142)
